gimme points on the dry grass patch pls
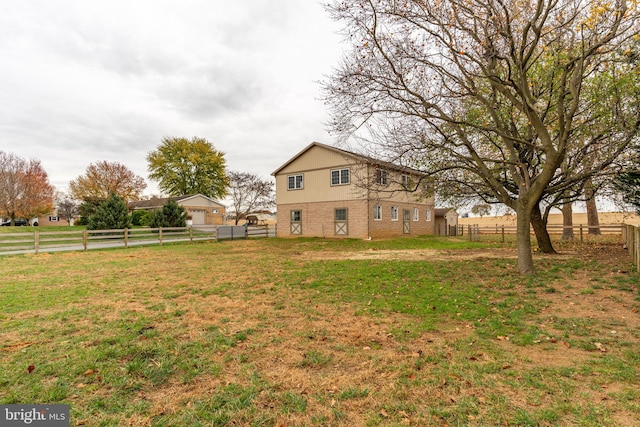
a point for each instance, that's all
(315, 332)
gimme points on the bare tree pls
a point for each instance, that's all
(491, 97)
(67, 208)
(250, 193)
(481, 209)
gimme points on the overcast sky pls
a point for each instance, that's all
(87, 80)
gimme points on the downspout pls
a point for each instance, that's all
(368, 213)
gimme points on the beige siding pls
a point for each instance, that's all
(315, 166)
(318, 199)
(314, 159)
(199, 201)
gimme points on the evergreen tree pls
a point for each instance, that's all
(140, 217)
(628, 183)
(110, 214)
(171, 215)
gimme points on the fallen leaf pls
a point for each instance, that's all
(566, 344)
(30, 368)
(600, 347)
(383, 413)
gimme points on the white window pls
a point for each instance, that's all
(295, 182)
(382, 177)
(415, 214)
(296, 216)
(405, 181)
(340, 177)
(428, 215)
(377, 212)
(394, 213)
(53, 218)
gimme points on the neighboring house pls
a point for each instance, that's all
(52, 219)
(325, 191)
(203, 210)
(446, 222)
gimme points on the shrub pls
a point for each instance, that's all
(171, 215)
(140, 217)
(110, 214)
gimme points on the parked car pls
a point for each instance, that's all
(18, 222)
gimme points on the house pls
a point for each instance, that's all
(53, 219)
(446, 222)
(325, 191)
(203, 210)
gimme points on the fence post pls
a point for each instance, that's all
(160, 235)
(503, 234)
(191, 234)
(126, 237)
(637, 246)
(469, 232)
(581, 234)
(36, 241)
(85, 239)
(631, 240)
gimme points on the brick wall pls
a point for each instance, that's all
(317, 219)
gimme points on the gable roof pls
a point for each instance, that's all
(159, 202)
(349, 154)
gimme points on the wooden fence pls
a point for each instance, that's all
(474, 232)
(74, 240)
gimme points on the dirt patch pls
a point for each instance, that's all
(409, 255)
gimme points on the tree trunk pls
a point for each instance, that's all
(567, 221)
(523, 222)
(592, 210)
(540, 229)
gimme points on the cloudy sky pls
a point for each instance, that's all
(87, 80)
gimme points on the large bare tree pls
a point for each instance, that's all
(250, 193)
(500, 97)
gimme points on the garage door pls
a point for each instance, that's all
(198, 216)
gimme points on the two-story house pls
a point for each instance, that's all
(325, 191)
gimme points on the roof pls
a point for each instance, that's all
(442, 211)
(157, 202)
(352, 155)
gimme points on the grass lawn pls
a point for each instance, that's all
(429, 331)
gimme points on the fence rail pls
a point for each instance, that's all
(474, 231)
(83, 240)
